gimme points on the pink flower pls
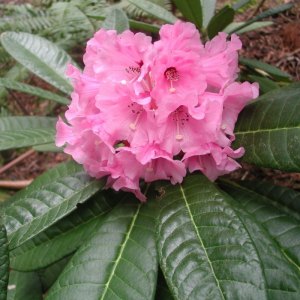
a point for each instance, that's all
(145, 111)
(219, 61)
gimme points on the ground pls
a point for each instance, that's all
(278, 45)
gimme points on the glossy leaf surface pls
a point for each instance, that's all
(65, 236)
(50, 274)
(281, 222)
(46, 201)
(272, 227)
(269, 130)
(18, 132)
(204, 248)
(284, 196)
(191, 10)
(24, 286)
(220, 21)
(119, 261)
(40, 56)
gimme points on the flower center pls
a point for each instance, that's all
(171, 75)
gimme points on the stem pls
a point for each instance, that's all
(16, 185)
(16, 160)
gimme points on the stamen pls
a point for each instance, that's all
(172, 90)
(171, 75)
(133, 70)
(132, 126)
(179, 137)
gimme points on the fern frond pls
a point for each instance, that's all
(72, 26)
(4, 56)
(24, 18)
(136, 13)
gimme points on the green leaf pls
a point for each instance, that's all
(254, 26)
(117, 20)
(220, 21)
(55, 194)
(281, 278)
(28, 89)
(50, 147)
(49, 275)
(264, 68)
(191, 10)
(40, 56)
(208, 9)
(205, 249)
(210, 248)
(16, 72)
(154, 10)
(61, 170)
(64, 237)
(281, 223)
(240, 4)
(18, 132)
(269, 129)
(24, 286)
(268, 13)
(118, 262)
(284, 196)
(4, 263)
(137, 25)
(265, 84)
(19, 123)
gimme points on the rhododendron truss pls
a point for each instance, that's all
(150, 111)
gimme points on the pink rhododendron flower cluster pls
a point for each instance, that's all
(149, 111)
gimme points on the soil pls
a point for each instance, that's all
(278, 45)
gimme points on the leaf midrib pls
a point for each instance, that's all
(266, 130)
(57, 237)
(170, 17)
(60, 82)
(27, 88)
(127, 236)
(46, 214)
(201, 241)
